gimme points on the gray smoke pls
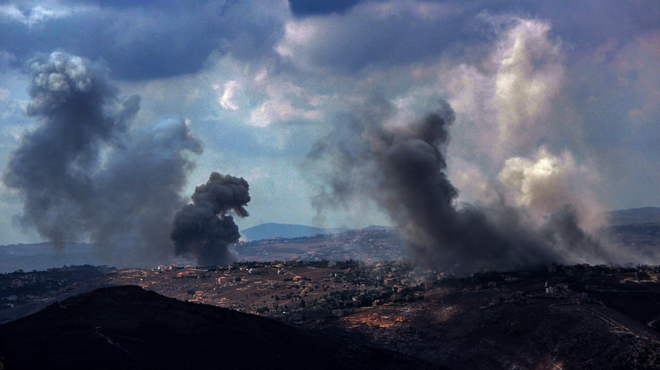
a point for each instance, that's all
(83, 173)
(401, 166)
(205, 228)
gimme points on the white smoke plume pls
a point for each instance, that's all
(533, 206)
(402, 168)
(547, 183)
(528, 79)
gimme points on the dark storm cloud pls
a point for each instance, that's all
(401, 166)
(148, 4)
(589, 24)
(153, 39)
(83, 173)
(205, 229)
(302, 8)
(382, 34)
(144, 40)
(361, 39)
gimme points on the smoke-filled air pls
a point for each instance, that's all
(85, 174)
(524, 188)
(205, 228)
(402, 167)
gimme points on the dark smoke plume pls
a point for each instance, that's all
(83, 173)
(205, 228)
(401, 166)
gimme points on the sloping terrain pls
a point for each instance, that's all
(568, 317)
(464, 328)
(273, 230)
(374, 243)
(637, 229)
(635, 215)
(41, 256)
(127, 327)
(557, 317)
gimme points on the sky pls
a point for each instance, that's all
(554, 101)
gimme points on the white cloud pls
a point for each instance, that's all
(31, 18)
(509, 101)
(278, 110)
(371, 34)
(300, 35)
(529, 76)
(228, 94)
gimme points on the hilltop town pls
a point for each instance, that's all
(284, 287)
(375, 243)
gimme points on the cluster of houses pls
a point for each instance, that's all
(19, 287)
(370, 244)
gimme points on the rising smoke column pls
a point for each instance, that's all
(401, 166)
(140, 186)
(205, 228)
(83, 173)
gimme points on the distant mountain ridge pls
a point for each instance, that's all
(41, 256)
(273, 230)
(635, 215)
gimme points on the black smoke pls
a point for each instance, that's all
(85, 173)
(205, 228)
(401, 166)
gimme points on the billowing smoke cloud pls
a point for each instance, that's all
(83, 174)
(401, 166)
(544, 185)
(529, 77)
(204, 228)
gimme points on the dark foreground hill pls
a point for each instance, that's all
(127, 327)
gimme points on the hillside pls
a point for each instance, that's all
(42, 256)
(274, 230)
(637, 228)
(635, 216)
(127, 327)
(568, 317)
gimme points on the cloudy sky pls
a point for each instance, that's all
(556, 99)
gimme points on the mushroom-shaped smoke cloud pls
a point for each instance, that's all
(205, 228)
